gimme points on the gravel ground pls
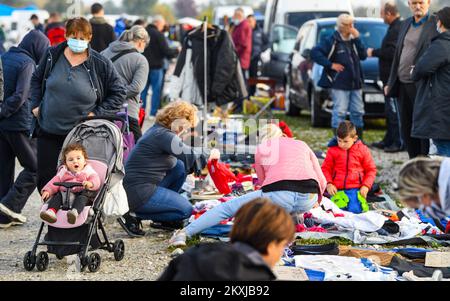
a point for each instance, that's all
(145, 258)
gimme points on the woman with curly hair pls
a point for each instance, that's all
(157, 168)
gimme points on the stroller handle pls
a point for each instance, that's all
(68, 185)
(111, 118)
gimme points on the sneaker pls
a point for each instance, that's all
(49, 216)
(5, 222)
(72, 216)
(132, 225)
(171, 226)
(379, 145)
(13, 215)
(178, 239)
(392, 149)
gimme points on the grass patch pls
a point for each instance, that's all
(190, 242)
(395, 162)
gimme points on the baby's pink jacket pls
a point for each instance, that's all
(64, 175)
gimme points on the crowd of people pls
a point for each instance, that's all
(67, 71)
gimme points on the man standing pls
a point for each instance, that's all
(341, 56)
(102, 33)
(431, 116)
(155, 53)
(19, 63)
(392, 141)
(55, 30)
(415, 37)
(242, 39)
(37, 25)
(259, 44)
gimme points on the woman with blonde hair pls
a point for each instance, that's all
(425, 183)
(290, 176)
(157, 168)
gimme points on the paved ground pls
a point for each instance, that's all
(145, 257)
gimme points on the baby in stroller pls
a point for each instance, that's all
(74, 169)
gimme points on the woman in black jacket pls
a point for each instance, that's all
(260, 233)
(72, 81)
(432, 105)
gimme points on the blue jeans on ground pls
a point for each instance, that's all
(291, 201)
(155, 79)
(347, 101)
(166, 204)
(443, 147)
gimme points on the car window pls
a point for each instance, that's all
(283, 38)
(310, 39)
(372, 34)
(297, 19)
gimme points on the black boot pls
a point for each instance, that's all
(359, 132)
(132, 225)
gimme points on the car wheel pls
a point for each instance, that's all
(316, 111)
(291, 109)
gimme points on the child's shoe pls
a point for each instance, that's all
(49, 216)
(72, 216)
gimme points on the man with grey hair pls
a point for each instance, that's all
(341, 56)
(392, 141)
(155, 53)
(415, 36)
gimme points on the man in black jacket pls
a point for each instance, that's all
(392, 141)
(155, 53)
(102, 33)
(19, 64)
(415, 36)
(259, 45)
(432, 107)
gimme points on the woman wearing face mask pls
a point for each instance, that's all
(72, 81)
(425, 183)
(133, 69)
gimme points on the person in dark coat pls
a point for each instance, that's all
(102, 33)
(415, 37)
(260, 43)
(71, 82)
(155, 53)
(36, 23)
(432, 106)
(341, 56)
(392, 141)
(19, 63)
(259, 235)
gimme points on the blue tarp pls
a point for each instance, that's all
(6, 10)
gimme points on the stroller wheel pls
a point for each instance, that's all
(94, 262)
(42, 261)
(83, 262)
(29, 261)
(60, 257)
(119, 250)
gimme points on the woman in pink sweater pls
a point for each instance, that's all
(75, 169)
(290, 176)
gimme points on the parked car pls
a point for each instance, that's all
(302, 74)
(283, 18)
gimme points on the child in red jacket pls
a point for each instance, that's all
(349, 165)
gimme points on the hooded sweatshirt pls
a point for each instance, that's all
(19, 64)
(133, 70)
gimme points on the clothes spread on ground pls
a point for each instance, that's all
(350, 200)
(221, 175)
(419, 269)
(338, 268)
(225, 81)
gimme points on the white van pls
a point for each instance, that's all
(296, 13)
(221, 11)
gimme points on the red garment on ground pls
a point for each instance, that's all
(350, 169)
(301, 228)
(221, 175)
(285, 128)
(242, 39)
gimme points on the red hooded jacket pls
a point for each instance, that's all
(349, 169)
(242, 39)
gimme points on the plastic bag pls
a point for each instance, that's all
(116, 201)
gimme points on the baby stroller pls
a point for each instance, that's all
(104, 144)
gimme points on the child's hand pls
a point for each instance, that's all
(364, 191)
(87, 185)
(45, 195)
(332, 190)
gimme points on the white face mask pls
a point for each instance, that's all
(438, 28)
